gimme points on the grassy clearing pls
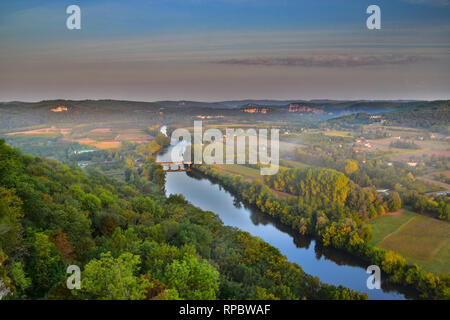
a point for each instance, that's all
(44, 135)
(420, 239)
(248, 174)
(336, 133)
(385, 225)
(293, 164)
(116, 173)
(104, 145)
(440, 262)
(235, 169)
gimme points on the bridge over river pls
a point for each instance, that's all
(176, 166)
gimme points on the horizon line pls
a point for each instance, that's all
(231, 100)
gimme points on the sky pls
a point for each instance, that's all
(211, 50)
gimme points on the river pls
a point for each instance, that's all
(330, 265)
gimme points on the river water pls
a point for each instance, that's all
(330, 265)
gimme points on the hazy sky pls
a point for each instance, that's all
(224, 49)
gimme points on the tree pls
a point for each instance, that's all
(46, 266)
(115, 279)
(392, 261)
(420, 203)
(351, 166)
(159, 177)
(74, 224)
(143, 204)
(394, 202)
(63, 245)
(91, 203)
(162, 139)
(261, 294)
(128, 174)
(21, 281)
(193, 279)
(10, 216)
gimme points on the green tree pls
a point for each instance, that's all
(91, 203)
(46, 265)
(162, 139)
(143, 204)
(193, 279)
(351, 166)
(420, 204)
(394, 202)
(115, 279)
(10, 216)
(20, 279)
(159, 177)
(76, 225)
(261, 294)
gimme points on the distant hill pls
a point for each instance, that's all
(352, 119)
(194, 104)
(432, 115)
(25, 114)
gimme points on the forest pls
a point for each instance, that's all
(433, 116)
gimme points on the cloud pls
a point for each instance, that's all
(327, 61)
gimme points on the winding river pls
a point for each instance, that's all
(330, 265)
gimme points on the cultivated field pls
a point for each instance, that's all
(248, 174)
(94, 135)
(420, 239)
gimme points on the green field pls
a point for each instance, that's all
(293, 164)
(235, 169)
(248, 174)
(384, 226)
(420, 239)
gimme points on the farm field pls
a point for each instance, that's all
(96, 136)
(293, 164)
(235, 169)
(434, 146)
(336, 133)
(248, 174)
(420, 239)
(43, 131)
(431, 178)
(383, 226)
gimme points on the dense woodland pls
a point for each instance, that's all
(433, 116)
(129, 244)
